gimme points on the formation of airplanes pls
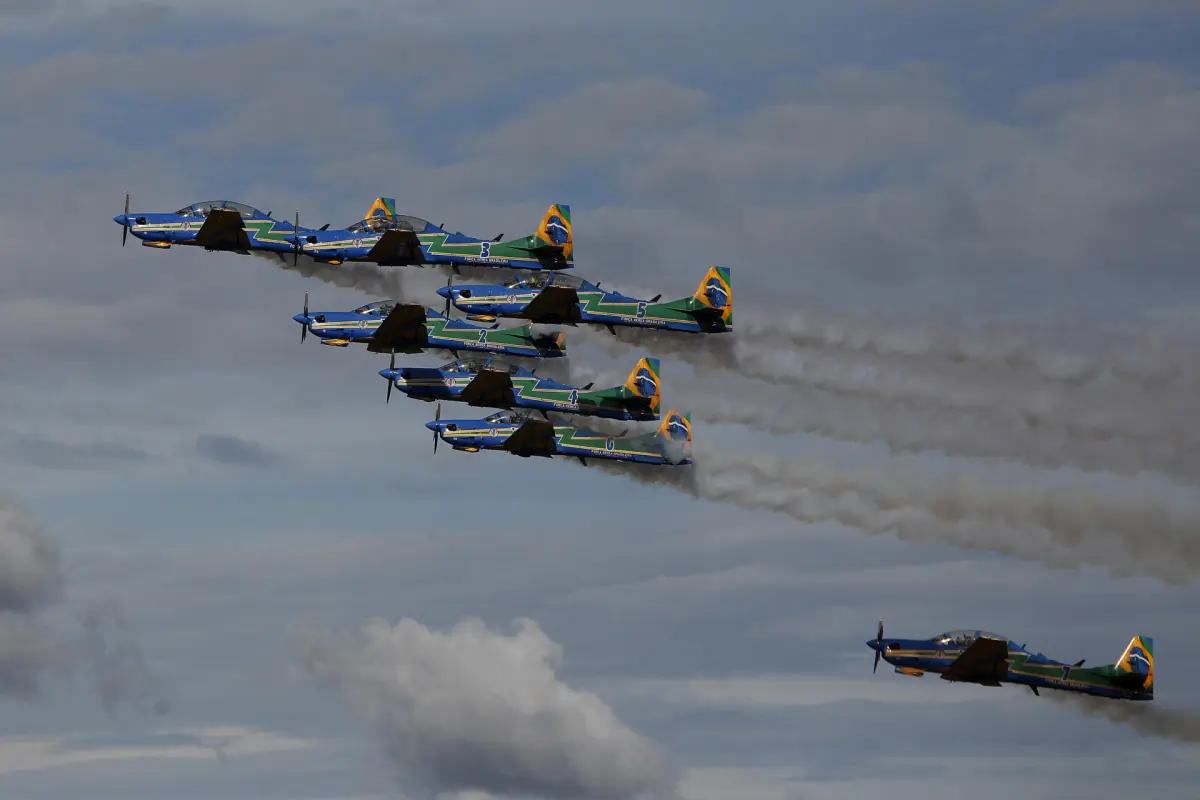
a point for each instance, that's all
(545, 292)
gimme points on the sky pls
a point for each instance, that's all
(960, 394)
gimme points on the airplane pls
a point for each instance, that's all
(492, 382)
(521, 434)
(987, 659)
(553, 297)
(389, 239)
(214, 225)
(387, 326)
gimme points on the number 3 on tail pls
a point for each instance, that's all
(485, 249)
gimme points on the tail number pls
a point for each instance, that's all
(641, 311)
(483, 336)
(574, 397)
(485, 249)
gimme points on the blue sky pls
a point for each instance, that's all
(961, 395)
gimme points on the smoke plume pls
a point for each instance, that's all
(1129, 532)
(1144, 717)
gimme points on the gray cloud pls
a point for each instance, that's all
(36, 450)
(120, 673)
(475, 710)
(235, 451)
(30, 573)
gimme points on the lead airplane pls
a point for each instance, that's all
(215, 225)
(520, 434)
(389, 239)
(387, 326)
(983, 658)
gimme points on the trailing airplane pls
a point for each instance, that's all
(968, 656)
(556, 298)
(387, 326)
(521, 434)
(389, 239)
(494, 383)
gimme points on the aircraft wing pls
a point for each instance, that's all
(491, 388)
(553, 302)
(403, 330)
(982, 662)
(535, 437)
(397, 249)
(223, 230)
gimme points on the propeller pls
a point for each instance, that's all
(296, 242)
(449, 282)
(125, 227)
(437, 417)
(304, 327)
(392, 379)
(878, 640)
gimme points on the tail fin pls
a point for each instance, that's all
(676, 427)
(716, 292)
(554, 233)
(382, 207)
(1136, 664)
(643, 381)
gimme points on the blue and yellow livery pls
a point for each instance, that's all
(389, 239)
(387, 326)
(568, 299)
(493, 383)
(523, 435)
(214, 225)
(986, 659)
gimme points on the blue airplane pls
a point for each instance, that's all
(387, 326)
(389, 239)
(215, 225)
(520, 434)
(972, 656)
(555, 298)
(494, 383)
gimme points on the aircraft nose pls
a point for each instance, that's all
(434, 426)
(121, 219)
(444, 291)
(875, 644)
(388, 373)
(302, 319)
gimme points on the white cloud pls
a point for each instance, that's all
(471, 709)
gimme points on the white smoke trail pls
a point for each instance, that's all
(724, 399)
(1129, 531)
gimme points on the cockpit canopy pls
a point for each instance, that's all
(479, 363)
(380, 307)
(505, 418)
(391, 222)
(540, 279)
(965, 637)
(202, 209)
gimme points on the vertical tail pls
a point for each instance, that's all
(716, 292)
(643, 381)
(382, 207)
(1138, 661)
(676, 427)
(554, 233)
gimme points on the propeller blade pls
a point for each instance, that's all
(304, 328)
(437, 417)
(125, 227)
(392, 379)
(878, 652)
(449, 282)
(296, 242)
